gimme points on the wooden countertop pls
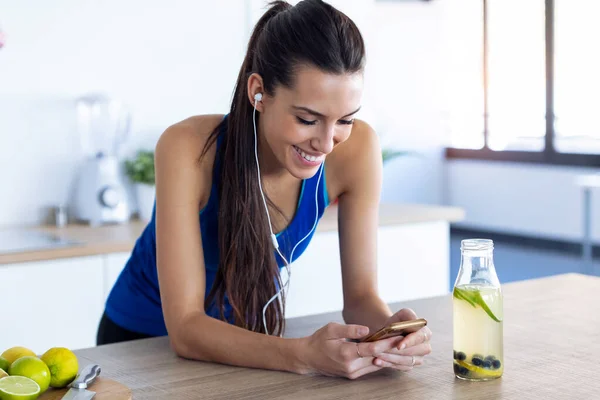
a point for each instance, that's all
(551, 351)
(121, 238)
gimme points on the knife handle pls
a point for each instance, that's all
(87, 376)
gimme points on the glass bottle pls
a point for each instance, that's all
(478, 314)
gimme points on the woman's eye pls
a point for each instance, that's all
(305, 122)
(346, 121)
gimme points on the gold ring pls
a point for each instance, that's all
(358, 352)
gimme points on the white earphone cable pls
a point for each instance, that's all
(273, 237)
(285, 286)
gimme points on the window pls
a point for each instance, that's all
(576, 76)
(531, 59)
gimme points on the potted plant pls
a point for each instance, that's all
(140, 170)
(389, 154)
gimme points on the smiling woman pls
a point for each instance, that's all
(238, 197)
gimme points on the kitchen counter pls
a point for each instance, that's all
(549, 348)
(121, 238)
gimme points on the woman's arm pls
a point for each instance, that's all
(182, 187)
(360, 171)
(358, 223)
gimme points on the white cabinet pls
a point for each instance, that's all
(413, 262)
(51, 303)
(59, 302)
(316, 279)
(113, 265)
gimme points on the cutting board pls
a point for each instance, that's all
(106, 389)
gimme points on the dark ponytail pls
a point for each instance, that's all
(313, 33)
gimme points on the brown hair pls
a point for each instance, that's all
(311, 33)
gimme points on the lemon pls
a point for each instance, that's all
(18, 388)
(14, 353)
(4, 364)
(63, 366)
(33, 368)
(478, 370)
(2, 373)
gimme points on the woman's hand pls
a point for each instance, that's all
(410, 350)
(329, 352)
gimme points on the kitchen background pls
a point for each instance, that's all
(169, 60)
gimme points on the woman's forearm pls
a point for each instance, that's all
(370, 311)
(207, 339)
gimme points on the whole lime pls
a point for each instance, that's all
(4, 364)
(63, 366)
(32, 368)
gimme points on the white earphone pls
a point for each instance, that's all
(257, 98)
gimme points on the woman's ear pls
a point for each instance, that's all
(255, 87)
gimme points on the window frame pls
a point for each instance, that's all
(548, 155)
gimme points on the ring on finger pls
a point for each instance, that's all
(358, 352)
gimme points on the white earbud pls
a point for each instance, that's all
(257, 98)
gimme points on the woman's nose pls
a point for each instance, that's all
(326, 140)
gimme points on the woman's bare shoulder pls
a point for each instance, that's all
(360, 153)
(178, 154)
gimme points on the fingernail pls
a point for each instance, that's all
(363, 331)
(402, 346)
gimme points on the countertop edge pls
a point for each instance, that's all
(118, 238)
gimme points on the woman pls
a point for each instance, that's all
(206, 269)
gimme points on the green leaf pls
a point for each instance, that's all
(389, 154)
(141, 168)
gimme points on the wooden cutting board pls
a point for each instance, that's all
(106, 389)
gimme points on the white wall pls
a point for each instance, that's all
(532, 200)
(166, 59)
(404, 79)
(171, 59)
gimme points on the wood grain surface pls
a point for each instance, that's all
(106, 389)
(551, 351)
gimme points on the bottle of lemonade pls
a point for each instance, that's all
(478, 314)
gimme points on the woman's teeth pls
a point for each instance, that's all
(306, 156)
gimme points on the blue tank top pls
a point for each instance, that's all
(134, 302)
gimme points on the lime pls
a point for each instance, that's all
(33, 368)
(4, 364)
(475, 298)
(3, 373)
(478, 370)
(18, 388)
(63, 366)
(14, 353)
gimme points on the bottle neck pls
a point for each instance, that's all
(477, 260)
(477, 268)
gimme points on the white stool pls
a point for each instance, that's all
(587, 183)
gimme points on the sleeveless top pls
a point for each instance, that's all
(134, 301)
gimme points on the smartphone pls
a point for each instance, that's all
(396, 329)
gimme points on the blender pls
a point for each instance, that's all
(100, 195)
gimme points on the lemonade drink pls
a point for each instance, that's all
(478, 315)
